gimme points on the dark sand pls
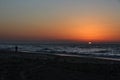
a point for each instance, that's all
(30, 66)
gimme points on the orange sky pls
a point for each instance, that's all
(79, 20)
(89, 29)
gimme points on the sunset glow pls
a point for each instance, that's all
(79, 20)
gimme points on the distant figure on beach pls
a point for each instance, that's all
(16, 48)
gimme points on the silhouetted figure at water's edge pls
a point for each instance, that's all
(16, 48)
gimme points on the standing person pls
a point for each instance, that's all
(16, 48)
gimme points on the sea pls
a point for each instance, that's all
(107, 50)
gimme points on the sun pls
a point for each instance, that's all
(89, 43)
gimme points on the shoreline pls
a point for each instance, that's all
(60, 57)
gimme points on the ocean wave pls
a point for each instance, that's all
(94, 50)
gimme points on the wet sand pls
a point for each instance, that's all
(31, 66)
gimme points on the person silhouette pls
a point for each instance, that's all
(16, 48)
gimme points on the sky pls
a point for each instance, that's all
(77, 20)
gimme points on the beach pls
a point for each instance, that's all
(31, 66)
(59, 39)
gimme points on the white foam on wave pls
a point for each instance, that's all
(95, 51)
